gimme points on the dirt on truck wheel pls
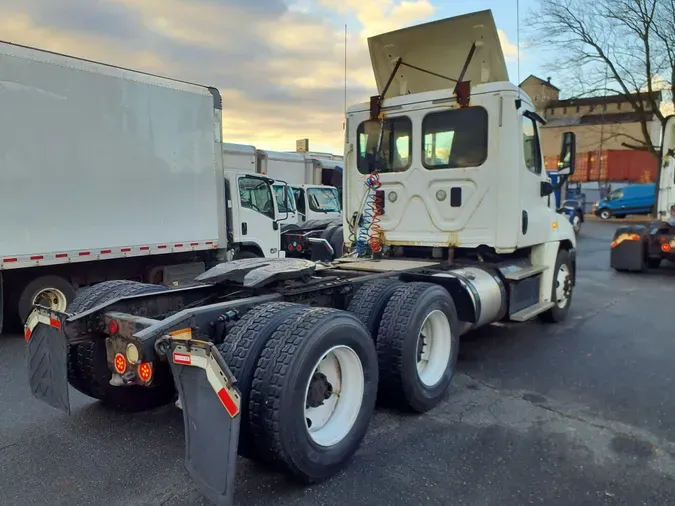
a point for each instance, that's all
(314, 393)
(88, 370)
(417, 346)
(241, 351)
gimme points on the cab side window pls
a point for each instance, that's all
(256, 194)
(531, 148)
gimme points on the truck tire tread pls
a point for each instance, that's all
(96, 294)
(370, 300)
(272, 393)
(241, 351)
(88, 372)
(396, 346)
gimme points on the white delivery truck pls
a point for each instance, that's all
(108, 173)
(451, 226)
(313, 202)
(246, 158)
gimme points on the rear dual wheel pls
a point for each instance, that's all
(416, 330)
(308, 378)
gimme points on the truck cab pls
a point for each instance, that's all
(448, 175)
(316, 202)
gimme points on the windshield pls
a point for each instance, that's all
(323, 200)
(615, 195)
(279, 195)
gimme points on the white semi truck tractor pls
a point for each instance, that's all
(639, 248)
(449, 225)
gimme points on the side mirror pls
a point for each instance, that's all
(546, 188)
(568, 154)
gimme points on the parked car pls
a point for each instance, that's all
(574, 211)
(634, 199)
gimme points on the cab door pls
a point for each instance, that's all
(257, 215)
(535, 212)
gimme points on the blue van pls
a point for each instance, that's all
(633, 199)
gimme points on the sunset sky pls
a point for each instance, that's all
(278, 63)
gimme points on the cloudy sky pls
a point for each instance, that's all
(278, 63)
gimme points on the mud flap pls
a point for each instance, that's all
(47, 359)
(211, 406)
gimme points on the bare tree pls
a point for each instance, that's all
(624, 47)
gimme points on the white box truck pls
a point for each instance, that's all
(108, 173)
(313, 203)
(451, 226)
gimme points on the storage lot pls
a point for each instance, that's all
(581, 413)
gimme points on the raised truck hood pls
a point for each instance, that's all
(441, 47)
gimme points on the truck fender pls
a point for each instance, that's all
(252, 246)
(545, 255)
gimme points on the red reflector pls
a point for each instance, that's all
(62, 255)
(298, 248)
(113, 327)
(37, 257)
(145, 371)
(194, 244)
(182, 358)
(162, 246)
(125, 250)
(290, 247)
(9, 260)
(27, 333)
(144, 248)
(105, 251)
(84, 253)
(228, 402)
(208, 242)
(120, 363)
(179, 245)
(53, 322)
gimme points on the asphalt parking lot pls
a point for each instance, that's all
(575, 414)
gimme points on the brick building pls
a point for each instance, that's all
(602, 125)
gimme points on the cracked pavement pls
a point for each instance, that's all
(581, 413)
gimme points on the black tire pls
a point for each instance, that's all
(89, 360)
(337, 241)
(277, 402)
(328, 232)
(605, 214)
(654, 262)
(370, 300)
(32, 289)
(88, 370)
(241, 351)
(558, 314)
(397, 346)
(106, 291)
(244, 253)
